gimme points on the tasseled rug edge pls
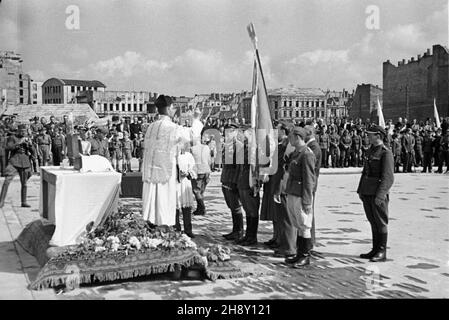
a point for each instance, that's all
(86, 277)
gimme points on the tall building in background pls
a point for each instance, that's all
(63, 91)
(338, 103)
(292, 103)
(35, 92)
(14, 83)
(364, 101)
(411, 86)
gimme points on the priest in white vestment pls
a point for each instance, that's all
(159, 165)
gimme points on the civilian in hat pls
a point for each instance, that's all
(374, 188)
(159, 165)
(21, 149)
(299, 190)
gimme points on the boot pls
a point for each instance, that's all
(247, 232)
(299, 248)
(3, 193)
(177, 224)
(24, 197)
(381, 253)
(237, 230)
(251, 240)
(304, 259)
(187, 220)
(371, 254)
(200, 210)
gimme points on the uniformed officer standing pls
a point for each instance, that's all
(418, 149)
(43, 143)
(100, 145)
(229, 178)
(374, 187)
(58, 147)
(334, 140)
(20, 148)
(299, 190)
(345, 147)
(324, 145)
(427, 147)
(366, 144)
(356, 148)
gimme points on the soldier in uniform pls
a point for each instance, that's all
(20, 148)
(334, 140)
(128, 148)
(249, 196)
(58, 148)
(366, 144)
(418, 149)
(115, 150)
(374, 187)
(427, 148)
(3, 159)
(43, 144)
(407, 148)
(345, 147)
(324, 146)
(299, 189)
(229, 178)
(444, 153)
(436, 149)
(100, 145)
(356, 148)
(396, 149)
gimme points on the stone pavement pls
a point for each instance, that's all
(417, 266)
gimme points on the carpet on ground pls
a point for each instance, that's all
(125, 246)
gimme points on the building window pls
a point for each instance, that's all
(105, 107)
(297, 114)
(285, 103)
(275, 104)
(21, 92)
(307, 114)
(275, 114)
(72, 89)
(297, 104)
(21, 100)
(291, 113)
(21, 84)
(78, 89)
(312, 114)
(20, 76)
(135, 107)
(129, 107)
(34, 87)
(302, 114)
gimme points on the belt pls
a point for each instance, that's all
(44, 144)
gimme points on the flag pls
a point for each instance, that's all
(435, 114)
(380, 114)
(262, 140)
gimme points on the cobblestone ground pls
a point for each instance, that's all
(417, 266)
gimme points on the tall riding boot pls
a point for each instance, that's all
(252, 237)
(187, 220)
(304, 259)
(237, 226)
(381, 253)
(373, 251)
(234, 228)
(3, 193)
(177, 223)
(243, 239)
(24, 197)
(200, 210)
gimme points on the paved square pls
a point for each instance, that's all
(417, 266)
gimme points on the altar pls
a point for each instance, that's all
(71, 200)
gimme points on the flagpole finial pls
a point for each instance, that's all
(252, 34)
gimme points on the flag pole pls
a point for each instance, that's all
(252, 35)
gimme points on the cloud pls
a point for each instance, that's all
(78, 53)
(193, 71)
(312, 58)
(37, 75)
(9, 34)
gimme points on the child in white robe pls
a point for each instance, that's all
(184, 193)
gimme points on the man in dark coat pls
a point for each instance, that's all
(20, 147)
(374, 188)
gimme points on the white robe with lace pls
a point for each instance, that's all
(159, 170)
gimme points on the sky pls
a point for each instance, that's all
(185, 47)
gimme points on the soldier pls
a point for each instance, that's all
(3, 160)
(299, 190)
(324, 146)
(115, 150)
(374, 187)
(444, 153)
(127, 147)
(418, 149)
(43, 144)
(345, 147)
(139, 147)
(436, 149)
(356, 148)
(58, 148)
(229, 178)
(407, 147)
(334, 140)
(366, 144)
(20, 148)
(99, 144)
(248, 195)
(427, 148)
(396, 149)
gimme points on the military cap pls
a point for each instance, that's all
(300, 131)
(376, 129)
(231, 126)
(163, 101)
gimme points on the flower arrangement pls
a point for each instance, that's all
(216, 253)
(125, 232)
